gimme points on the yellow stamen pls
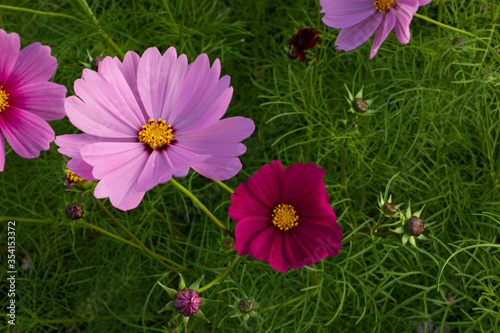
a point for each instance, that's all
(73, 177)
(156, 134)
(285, 217)
(3, 99)
(383, 6)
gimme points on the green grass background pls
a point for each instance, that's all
(437, 124)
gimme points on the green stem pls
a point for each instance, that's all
(379, 222)
(21, 219)
(151, 253)
(293, 300)
(224, 186)
(83, 4)
(169, 11)
(21, 9)
(202, 206)
(221, 276)
(492, 50)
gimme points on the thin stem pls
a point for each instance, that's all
(224, 186)
(221, 276)
(379, 222)
(21, 219)
(83, 4)
(293, 300)
(202, 206)
(492, 50)
(169, 11)
(21, 9)
(151, 253)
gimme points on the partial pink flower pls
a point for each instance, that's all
(283, 216)
(149, 118)
(27, 100)
(359, 19)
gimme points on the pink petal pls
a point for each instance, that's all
(404, 12)
(339, 15)
(107, 157)
(303, 184)
(329, 237)
(383, 30)
(156, 170)
(45, 99)
(124, 100)
(2, 146)
(9, 50)
(181, 159)
(25, 132)
(351, 37)
(423, 2)
(245, 204)
(276, 249)
(295, 254)
(265, 185)
(247, 229)
(197, 90)
(71, 145)
(34, 64)
(218, 168)
(260, 245)
(309, 248)
(160, 79)
(221, 138)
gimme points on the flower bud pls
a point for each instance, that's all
(95, 62)
(228, 243)
(360, 105)
(291, 54)
(74, 211)
(415, 226)
(389, 208)
(304, 39)
(247, 306)
(187, 302)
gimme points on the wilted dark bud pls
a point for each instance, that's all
(95, 62)
(74, 211)
(304, 39)
(291, 54)
(228, 244)
(415, 226)
(245, 307)
(360, 105)
(389, 208)
(458, 41)
(187, 302)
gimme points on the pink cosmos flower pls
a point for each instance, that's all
(27, 100)
(149, 118)
(283, 216)
(359, 19)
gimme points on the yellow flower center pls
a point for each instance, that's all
(156, 134)
(73, 177)
(3, 99)
(383, 6)
(285, 217)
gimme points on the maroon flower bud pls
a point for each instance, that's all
(389, 208)
(187, 302)
(95, 62)
(415, 226)
(245, 307)
(74, 211)
(360, 105)
(304, 39)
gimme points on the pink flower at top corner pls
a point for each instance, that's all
(283, 216)
(359, 19)
(27, 99)
(150, 118)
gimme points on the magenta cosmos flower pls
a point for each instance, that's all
(149, 118)
(27, 100)
(359, 19)
(283, 216)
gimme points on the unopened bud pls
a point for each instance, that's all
(415, 226)
(247, 306)
(360, 105)
(74, 211)
(228, 244)
(389, 208)
(95, 62)
(187, 302)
